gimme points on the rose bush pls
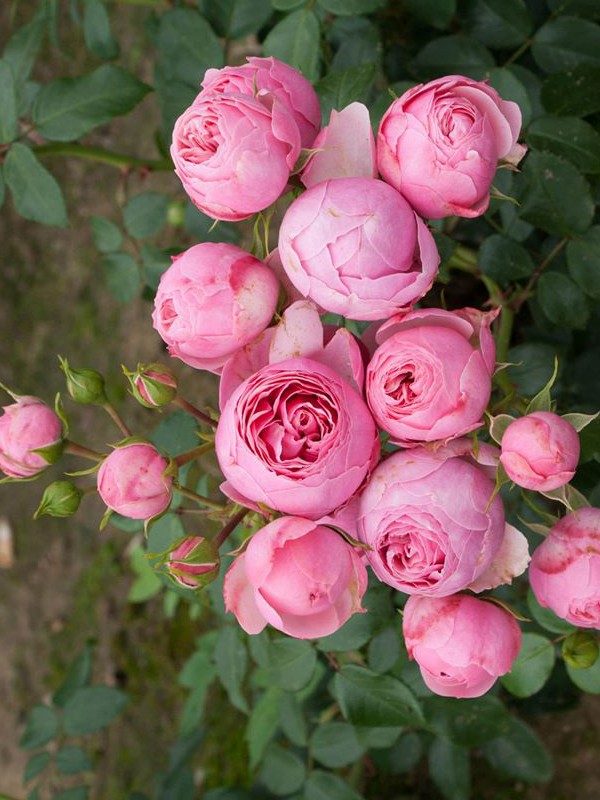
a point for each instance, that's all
(28, 426)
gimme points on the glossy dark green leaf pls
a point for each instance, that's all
(450, 769)
(92, 708)
(335, 744)
(145, 214)
(509, 87)
(40, 728)
(231, 661)
(291, 663)
(281, 771)
(373, 700)
(236, 18)
(437, 13)
(583, 8)
(96, 30)
(533, 364)
(351, 7)
(384, 649)
(504, 260)
(566, 42)
(338, 89)
(569, 137)
(453, 55)
(574, 92)
(520, 754)
(36, 764)
(122, 276)
(107, 236)
(328, 786)
(35, 192)
(8, 103)
(262, 724)
(72, 759)
(188, 46)
(295, 40)
(292, 719)
(467, 722)
(583, 258)
(532, 668)
(588, 680)
(352, 635)
(78, 676)
(356, 40)
(562, 301)
(498, 23)
(405, 753)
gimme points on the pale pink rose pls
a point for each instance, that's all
(429, 521)
(233, 154)
(540, 451)
(267, 77)
(355, 247)
(26, 426)
(344, 149)
(300, 577)
(193, 562)
(132, 481)
(213, 299)
(564, 572)
(428, 380)
(461, 644)
(439, 144)
(296, 437)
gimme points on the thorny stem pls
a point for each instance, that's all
(199, 498)
(114, 415)
(117, 160)
(195, 412)
(75, 449)
(231, 526)
(190, 455)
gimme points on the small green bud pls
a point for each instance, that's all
(580, 649)
(176, 213)
(152, 385)
(84, 385)
(60, 499)
(193, 563)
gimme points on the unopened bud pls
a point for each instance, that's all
(84, 385)
(194, 562)
(176, 213)
(580, 649)
(60, 499)
(152, 385)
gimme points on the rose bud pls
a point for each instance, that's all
(194, 562)
(300, 577)
(564, 572)
(355, 247)
(60, 499)
(31, 437)
(461, 643)
(580, 649)
(213, 299)
(540, 451)
(134, 481)
(440, 142)
(84, 385)
(152, 385)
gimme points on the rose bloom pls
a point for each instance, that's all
(26, 426)
(429, 523)
(540, 451)
(300, 577)
(564, 572)
(297, 437)
(430, 378)
(356, 248)
(461, 644)
(439, 144)
(233, 154)
(132, 481)
(213, 299)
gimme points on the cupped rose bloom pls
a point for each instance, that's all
(132, 481)
(268, 77)
(233, 154)
(429, 521)
(439, 144)
(300, 577)
(213, 299)
(296, 437)
(540, 451)
(564, 572)
(355, 247)
(344, 149)
(461, 644)
(429, 379)
(26, 426)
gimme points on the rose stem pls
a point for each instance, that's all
(231, 526)
(114, 415)
(184, 458)
(195, 412)
(199, 498)
(75, 449)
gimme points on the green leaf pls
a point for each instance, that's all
(295, 40)
(327, 786)
(453, 55)
(236, 18)
(41, 727)
(569, 137)
(356, 41)
(498, 23)
(373, 700)
(23, 47)
(338, 89)
(75, 793)
(554, 196)
(9, 118)
(585, 8)
(175, 433)
(36, 194)
(147, 584)
(520, 754)
(262, 724)
(292, 720)
(145, 214)
(467, 722)
(335, 744)
(107, 236)
(350, 8)
(384, 649)
(96, 30)
(562, 301)
(504, 260)
(2, 187)
(509, 87)
(437, 13)
(122, 275)
(282, 772)
(449, 769)
(575, 92)
(68, 108)
(352, 635)
(589, 439)
(204, 228)
(588, 680)
(181, 32)
(406, 753)
(566, 42)
(583, 258)
(92, 708)
(36, 764)
(155, 263)
(231, 661)
(73, 759)
(287, 5)
(291, 663)
(79, 675)
(545, 617)
(531, 367)
(532, 668)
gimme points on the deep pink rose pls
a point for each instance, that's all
(268, 77)
(300, 577)
(233, 154)
(213, 299)
(540, 451)
(461, 644)
(26, 426)
(355, 247)
(297, 437)
(428, 379)
(439, 144)
(132, 481)
(564, 572)
(429, 522)
(193, 562)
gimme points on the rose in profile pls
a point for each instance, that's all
(462, 644)
(440, 142)
(300, 577)
(564, 572)
(27, 427)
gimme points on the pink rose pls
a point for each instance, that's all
(153, 385)
(193, 562)
(296, 437)
(132, 481)
(300, 577)
(439, 144)
(429, 522)
(540, 451)
(356, 248)
(233, 154)
(428, 379)
(461, 644)
(213, 299)
(25, 427)
(564, 572)
(268, 77)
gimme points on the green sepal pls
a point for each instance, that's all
(105, 519)
(506, 606)
(542, 400)
(14, 395)
(580, 421)
(81, 472)
(52, 452)
(60, 413)
(498, 425)
(537, 527)
(569, 496)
